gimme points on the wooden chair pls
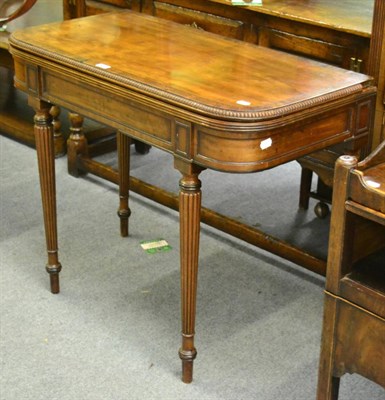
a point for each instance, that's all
(5, 17)
(22, 9)
(353, 337)
(11, 104)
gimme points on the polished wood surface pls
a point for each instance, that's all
(189, 78)
(346, 15)
(353, 338)
(205, 120)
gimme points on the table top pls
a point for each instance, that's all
(216, 102)
(179, 65)
(353, 16)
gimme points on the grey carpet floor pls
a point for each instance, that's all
(113, 331)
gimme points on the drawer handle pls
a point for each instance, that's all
(355, 64)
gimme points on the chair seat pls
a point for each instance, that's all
(368, 187)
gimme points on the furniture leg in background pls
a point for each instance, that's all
(124, 212)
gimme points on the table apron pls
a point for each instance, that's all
(229, 146)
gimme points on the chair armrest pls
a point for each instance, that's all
(27, 5)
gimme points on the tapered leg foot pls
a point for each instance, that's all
(54, 280)
(187, 357)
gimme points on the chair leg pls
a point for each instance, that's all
(76, 144)
(305, 187)
(123, 149)
(328, 385)
(58, 137)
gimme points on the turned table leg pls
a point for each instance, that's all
(189, 214)
(76, 144)
(124, 212)
(58, 138)
(46, 160)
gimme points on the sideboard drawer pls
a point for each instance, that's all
(119, 3)
(329, 52)
(81, 8)
(201, 20)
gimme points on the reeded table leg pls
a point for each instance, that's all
(124, 212)
(46, 159)
(189, 214)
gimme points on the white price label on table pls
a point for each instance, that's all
(246, 2)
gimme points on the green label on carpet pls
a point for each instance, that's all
(155, 246)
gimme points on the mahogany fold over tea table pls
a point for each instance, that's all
(210, 101)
